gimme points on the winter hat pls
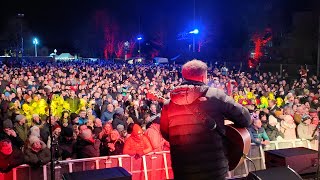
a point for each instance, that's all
(109, 96)
(55, 127)
(7, 124)
(7, 94)
(136, 130)
(120, 127)
(35, 115)
(86, 134)
(73, 116)
(119, 111)
(33, 139)
(20, 117)
(278, 113)
(35, 131)
(67, 132)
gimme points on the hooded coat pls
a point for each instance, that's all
(135, 145)
(87, 149)
(37, 158)
(196, 151)
(7, 162)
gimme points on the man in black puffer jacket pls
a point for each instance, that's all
(196, 151)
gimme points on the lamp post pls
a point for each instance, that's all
(21, 16)
(194, 32)
(35, 42)
(139, 40)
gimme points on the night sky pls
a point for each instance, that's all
(58, 24)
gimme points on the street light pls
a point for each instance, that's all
(21, 16)
(139, 38)
(35, 42)
(194, 32)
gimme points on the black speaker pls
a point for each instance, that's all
(278, 173)
(116, 173)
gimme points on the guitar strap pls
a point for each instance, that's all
(208, 121)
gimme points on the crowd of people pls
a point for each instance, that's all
(83, 110)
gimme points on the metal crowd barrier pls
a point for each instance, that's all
(153, 166)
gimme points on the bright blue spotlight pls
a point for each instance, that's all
(195, 31)
(139, 38)
(35, 41)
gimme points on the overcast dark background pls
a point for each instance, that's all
(229, 24)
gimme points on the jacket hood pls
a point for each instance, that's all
(187, 94)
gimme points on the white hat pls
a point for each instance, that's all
(35, 131)
(120, 127)
(33, 139)
(35, 115)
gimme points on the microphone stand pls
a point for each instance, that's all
(318, 138)
(52, 163)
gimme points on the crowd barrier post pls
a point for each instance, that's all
(97, 164)
(14, 173)
(145, 167)
(44, 170)
(70, 167)
(166, 164)
(120, 161)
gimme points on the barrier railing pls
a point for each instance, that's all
(153, 166)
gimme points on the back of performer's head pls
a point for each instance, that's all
(195, 70)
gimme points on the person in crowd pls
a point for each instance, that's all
(288, 127)
(73, 101)
(258, 134)
(305, 129)
(65, 119)
(114, 146)
(191, 101)
(298, 114)
(36, 121)
(86, 146)
(9, 133)
(82, 117)
(10, 157)
(119, 118)
(117, 107)
(97, 128)
(137, 144)
(108, 114)
(36, 153)
(273, 129)
(273, 106)
(314, 116)
(35, 131)
(157, 141)
(20, 127)
(74, 118)
(82, 128)
(66, 144)
(105, 133)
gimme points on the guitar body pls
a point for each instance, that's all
(239, 144)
